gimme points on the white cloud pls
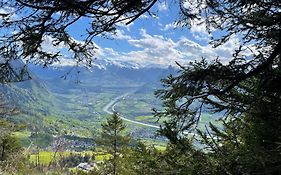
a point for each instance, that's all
(162, 6)
(226, 50)
(64, 62)
(155, 50)
(143, 16)
(66, 56)
(193, 6)
(199, 30)
(8, 10)
(148, 41)
(47, 45)
(194, 50)
(3, 11)
(170, 26)
(160, 51)
(199, 27)
(123, 23)
(120, 35)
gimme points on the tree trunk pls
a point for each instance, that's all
(115, 154)
(3, 151)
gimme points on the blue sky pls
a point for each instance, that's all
(155, 41)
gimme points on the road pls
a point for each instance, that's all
(110, 108)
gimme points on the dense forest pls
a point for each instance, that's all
(244, 93)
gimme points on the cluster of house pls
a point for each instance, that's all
(64, 144)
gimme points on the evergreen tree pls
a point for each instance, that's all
(246, 90)
(8, 143)
(143, 159)
(11, 158)
(114, 140)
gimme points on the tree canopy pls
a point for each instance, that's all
(246, 90)
(25, 24)
(230, 87)
(114, 141)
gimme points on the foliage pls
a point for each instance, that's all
(6, 108)
(73, 160)
(114, 141)
(9, 144)
(11, 158)
(246, 90)
(143, 159)
(25, 24)
(23, 137)
(41, 139)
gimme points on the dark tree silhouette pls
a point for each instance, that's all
(246, 90)
(25, 24)
(231, 88)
